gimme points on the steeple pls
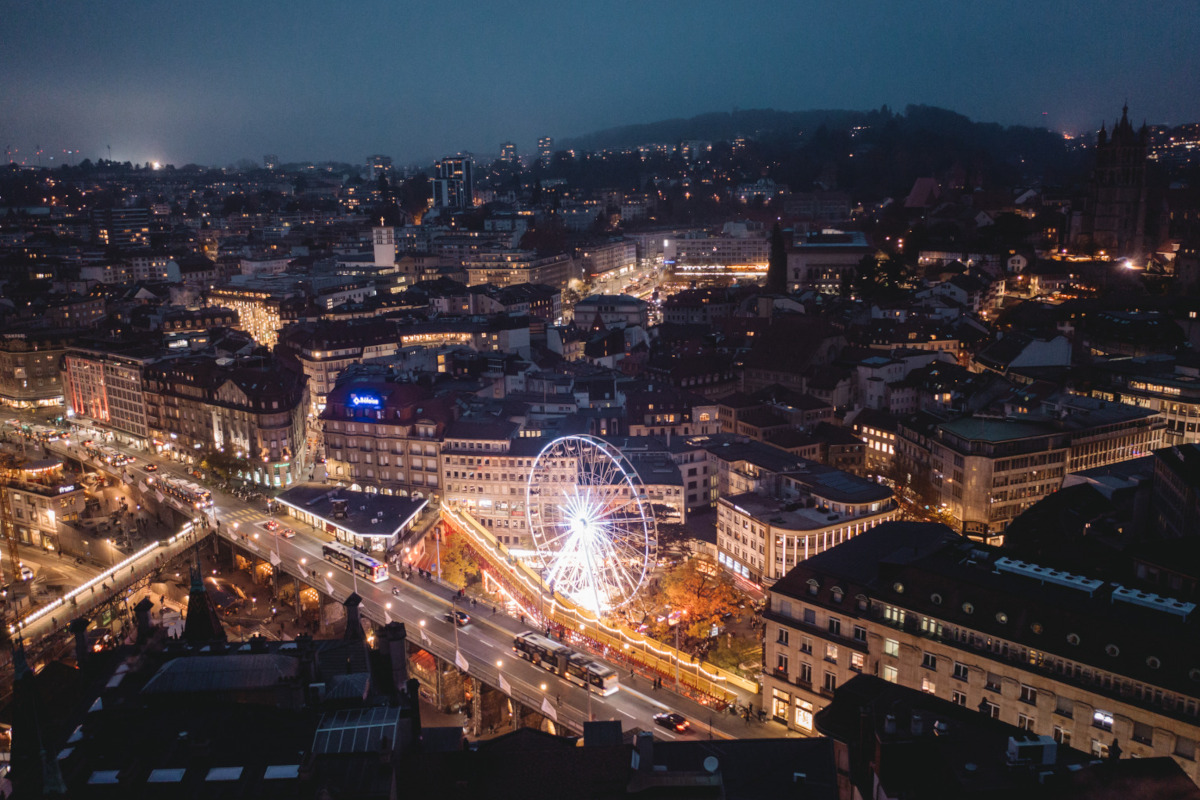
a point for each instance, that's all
(203, 624)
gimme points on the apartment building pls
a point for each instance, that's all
(385, 435)
(762, 537)
(252, 409)
(1087, 662)
(29, 367)
(103, 381)
(41, 498)
(324, 348)
(984, 471)
(823, 260)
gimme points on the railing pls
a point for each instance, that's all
(700, 675)
(85, 597)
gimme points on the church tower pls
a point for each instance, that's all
(1115, 216)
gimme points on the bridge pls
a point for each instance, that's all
(482, 651)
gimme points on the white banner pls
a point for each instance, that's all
(275, 560)
(159, 495)
(142, 487)
(460, 662)
(424, 636)
(548, 709)
(504, 687)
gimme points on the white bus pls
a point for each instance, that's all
(562, 660)
(350, 559)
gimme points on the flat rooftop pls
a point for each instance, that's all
(367, 513)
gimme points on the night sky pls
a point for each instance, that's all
(214, 82)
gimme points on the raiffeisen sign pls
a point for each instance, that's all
(368, 400)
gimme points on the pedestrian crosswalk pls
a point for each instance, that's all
(242, 515)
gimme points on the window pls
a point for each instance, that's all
(1062, 736)
(960, 671)
(1102, 719)
(1028, 695)
(804, 714)
(891, 647)
(806, 673)
(806, 645)
(891, 674)
(781, 664)
(893, 615)
(1185, 748)
(927, 685)
(810, 617)
(1143, 733)
(782, 638)
(993, 682)
(990, 708)
(1024, 722)
(835, 626)
(958, 698)
(831, 653)
(1099, 749)
(830, 681)
(860, 633)
(856, 662)
(1065, 706)
(929, 661)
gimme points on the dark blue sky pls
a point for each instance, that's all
(213, 82)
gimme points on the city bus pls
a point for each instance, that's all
(186, 492)
(562, 660)
(350, 559)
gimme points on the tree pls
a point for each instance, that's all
(777, 262)
(701, 588)
(458, 562)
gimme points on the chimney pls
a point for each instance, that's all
(258, 643)
(395, 638)
(142, 613)
(413, 690)
(78, 627)
(354, 628)
(308, 667)
(645, 751)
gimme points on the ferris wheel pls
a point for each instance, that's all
(591, 522)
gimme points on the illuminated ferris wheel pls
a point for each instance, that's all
(591, 522)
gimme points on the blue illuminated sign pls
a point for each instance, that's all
(368, 400)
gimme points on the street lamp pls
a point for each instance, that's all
(677, 622)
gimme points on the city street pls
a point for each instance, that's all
(422, 604)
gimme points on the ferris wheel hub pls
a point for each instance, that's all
(590, 521)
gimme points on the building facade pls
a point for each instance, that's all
(252, 410)
(1086, 662)
(761, 538)
(385, 436)
(30, 364)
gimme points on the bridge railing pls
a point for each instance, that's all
(618, 643)
(104, 587)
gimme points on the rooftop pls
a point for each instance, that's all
(366, 513)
